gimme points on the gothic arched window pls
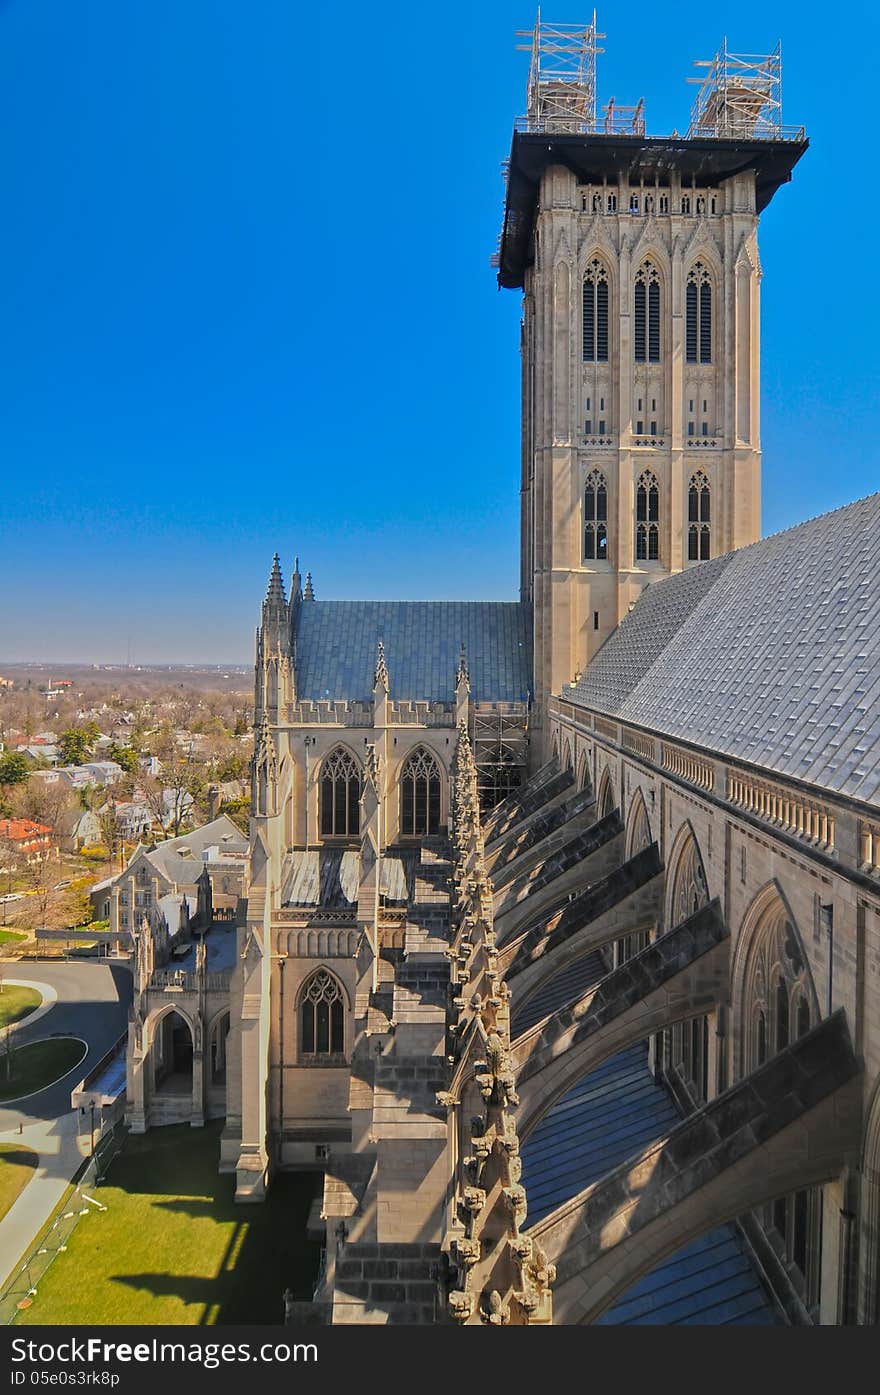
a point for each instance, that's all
(689, 889)
(420, 795)
(322, 1016)
(596, 313)
(595, 518)
(340, 796)
(699, 519)
(647, 518)
(646, 328)
(698, 315)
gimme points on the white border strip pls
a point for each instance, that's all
(49, 995)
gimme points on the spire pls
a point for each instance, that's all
(309, 594)
(462, 676)
(371, 765)
(380, 677)
(295, 580)
(276, 583)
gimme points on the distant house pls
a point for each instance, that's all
(134, 819)
(37, 749)
(161, 883)
(29, 838)
(103, 772)
(78, 829)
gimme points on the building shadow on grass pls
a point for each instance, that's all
(266, 1251)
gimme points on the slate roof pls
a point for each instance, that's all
(768, 655)
(181, 859)
(336, 649)
(611, 1114)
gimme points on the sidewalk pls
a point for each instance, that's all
(58, 1145)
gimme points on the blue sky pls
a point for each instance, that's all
(247, 302)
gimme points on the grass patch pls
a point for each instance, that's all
(17, 1165)
(38, 1064)
(7, 936)
(173, 1246)
(16, 1003)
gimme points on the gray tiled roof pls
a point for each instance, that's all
(181, 859)
(336, 649)
(610, 1115)
(769, 655)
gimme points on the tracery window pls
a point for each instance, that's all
(596, 313)
(420, 795)
(595, 518)
(698, 315)
(340, 796)
(699, 518)
(646, 327)
(689, 889)
(779, 1005)
(647, 518)
(322, 1016)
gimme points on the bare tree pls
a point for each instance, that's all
(11, 867)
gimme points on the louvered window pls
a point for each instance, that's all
(646, 317)
(596, 313)
(698, 315)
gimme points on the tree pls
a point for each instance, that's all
(6, 1050)
(14, 769)
(11, 867)
(74, 746)
(169, 794)
(125, 756)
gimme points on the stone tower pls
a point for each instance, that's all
(638, 261)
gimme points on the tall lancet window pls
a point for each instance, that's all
(699, 519)
(647, 518)
(322, 1016)
(596, 313)
(340, 796)
(420, 795)
(698, 315)
(646, 323)
(595, 518)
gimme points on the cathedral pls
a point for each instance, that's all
(557, 950)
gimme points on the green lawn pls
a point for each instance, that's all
(16, 1003)
(173, 1246)
(16, 1169)
(8, 935)
(38, 1064)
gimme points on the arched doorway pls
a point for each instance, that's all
(172, 1056)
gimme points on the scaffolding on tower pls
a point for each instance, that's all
(740, 96)
(562, 76)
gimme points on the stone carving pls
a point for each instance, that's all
(499, 1278)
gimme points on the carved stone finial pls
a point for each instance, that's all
(462, 675)
(380, 677)
(309, 593)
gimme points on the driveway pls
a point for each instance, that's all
(92, 1003)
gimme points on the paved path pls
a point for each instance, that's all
(92, 1003)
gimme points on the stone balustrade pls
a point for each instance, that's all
(798, 815)
(687, 766)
